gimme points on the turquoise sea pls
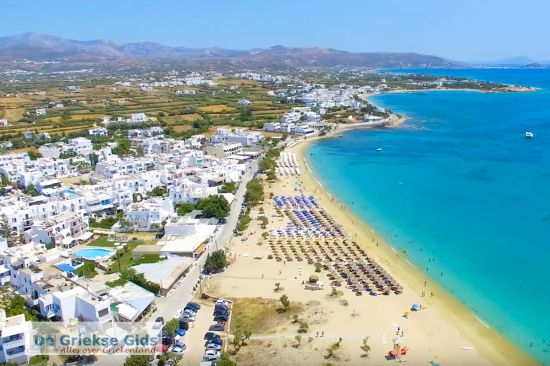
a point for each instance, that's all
(460, 183)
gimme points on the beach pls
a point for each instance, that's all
(443, 331)
(490, 345)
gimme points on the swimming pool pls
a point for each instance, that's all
(93, 253)
(70, 192)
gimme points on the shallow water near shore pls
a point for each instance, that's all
(463, 191)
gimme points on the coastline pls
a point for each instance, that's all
(488, 342)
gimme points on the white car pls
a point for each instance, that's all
(213, 347)
(190, 312)
(211, 355)
(223, 302)
(178, 348)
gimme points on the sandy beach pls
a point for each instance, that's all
(443, 332)
(491, 346)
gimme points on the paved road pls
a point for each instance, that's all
(167, 306)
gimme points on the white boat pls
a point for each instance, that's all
(379, 149)
(529, 134)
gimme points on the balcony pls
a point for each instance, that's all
(20, 348)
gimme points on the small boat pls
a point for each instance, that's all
(379, 149)
(529, 134)
(340, 135)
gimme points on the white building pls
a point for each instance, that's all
(15, 338)
(149, 214)
(98, 131)
(221, 151)
(79, 146)
(40, 111)
(238, 135)
(245, 102)
(138, 118)
(75, 302)
(4, 122)
(61, 230)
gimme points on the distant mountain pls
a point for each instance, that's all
(39, 47)
(518, 60)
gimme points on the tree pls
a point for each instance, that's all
(247, 333)
(33, 155)
(277, 287)
(229, 187)
(225, 361)
(158, 192)
(86, 270)
(238, 338)
(137, 360)
(214, 206)
(271, 176)
(4, 181)
(171, 327)
(244, 113)
(216, 261)
(31, 190)
(303, 327)
(122, 148)
(318, 267)
(244, 220)
(298, 339)
(254, 192)
(184, 208)
(264, 221)
(18, 306)
(365, 347)
(285, 302)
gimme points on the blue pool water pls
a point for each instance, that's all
(460, 181)
(70, 192)
(93, 253)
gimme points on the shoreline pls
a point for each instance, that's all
(488, 342)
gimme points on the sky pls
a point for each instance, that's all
(462, 30)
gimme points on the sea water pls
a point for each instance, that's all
(464, 192)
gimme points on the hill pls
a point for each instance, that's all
(39, 47)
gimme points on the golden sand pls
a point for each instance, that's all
(490, 345)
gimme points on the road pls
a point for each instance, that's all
(167, 306)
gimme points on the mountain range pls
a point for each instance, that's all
(40, 47)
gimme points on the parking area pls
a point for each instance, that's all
(194, 338)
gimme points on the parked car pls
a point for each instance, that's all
(220, 318)
(190, 312)
(214, 340)
(213, 346)
(217, 327)
(188, 318)
(210, 335)
(223, 302)
(193, 304)
(178, 348)
(181, 332)
(221, 311)
(211, 355)
(184, 324)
